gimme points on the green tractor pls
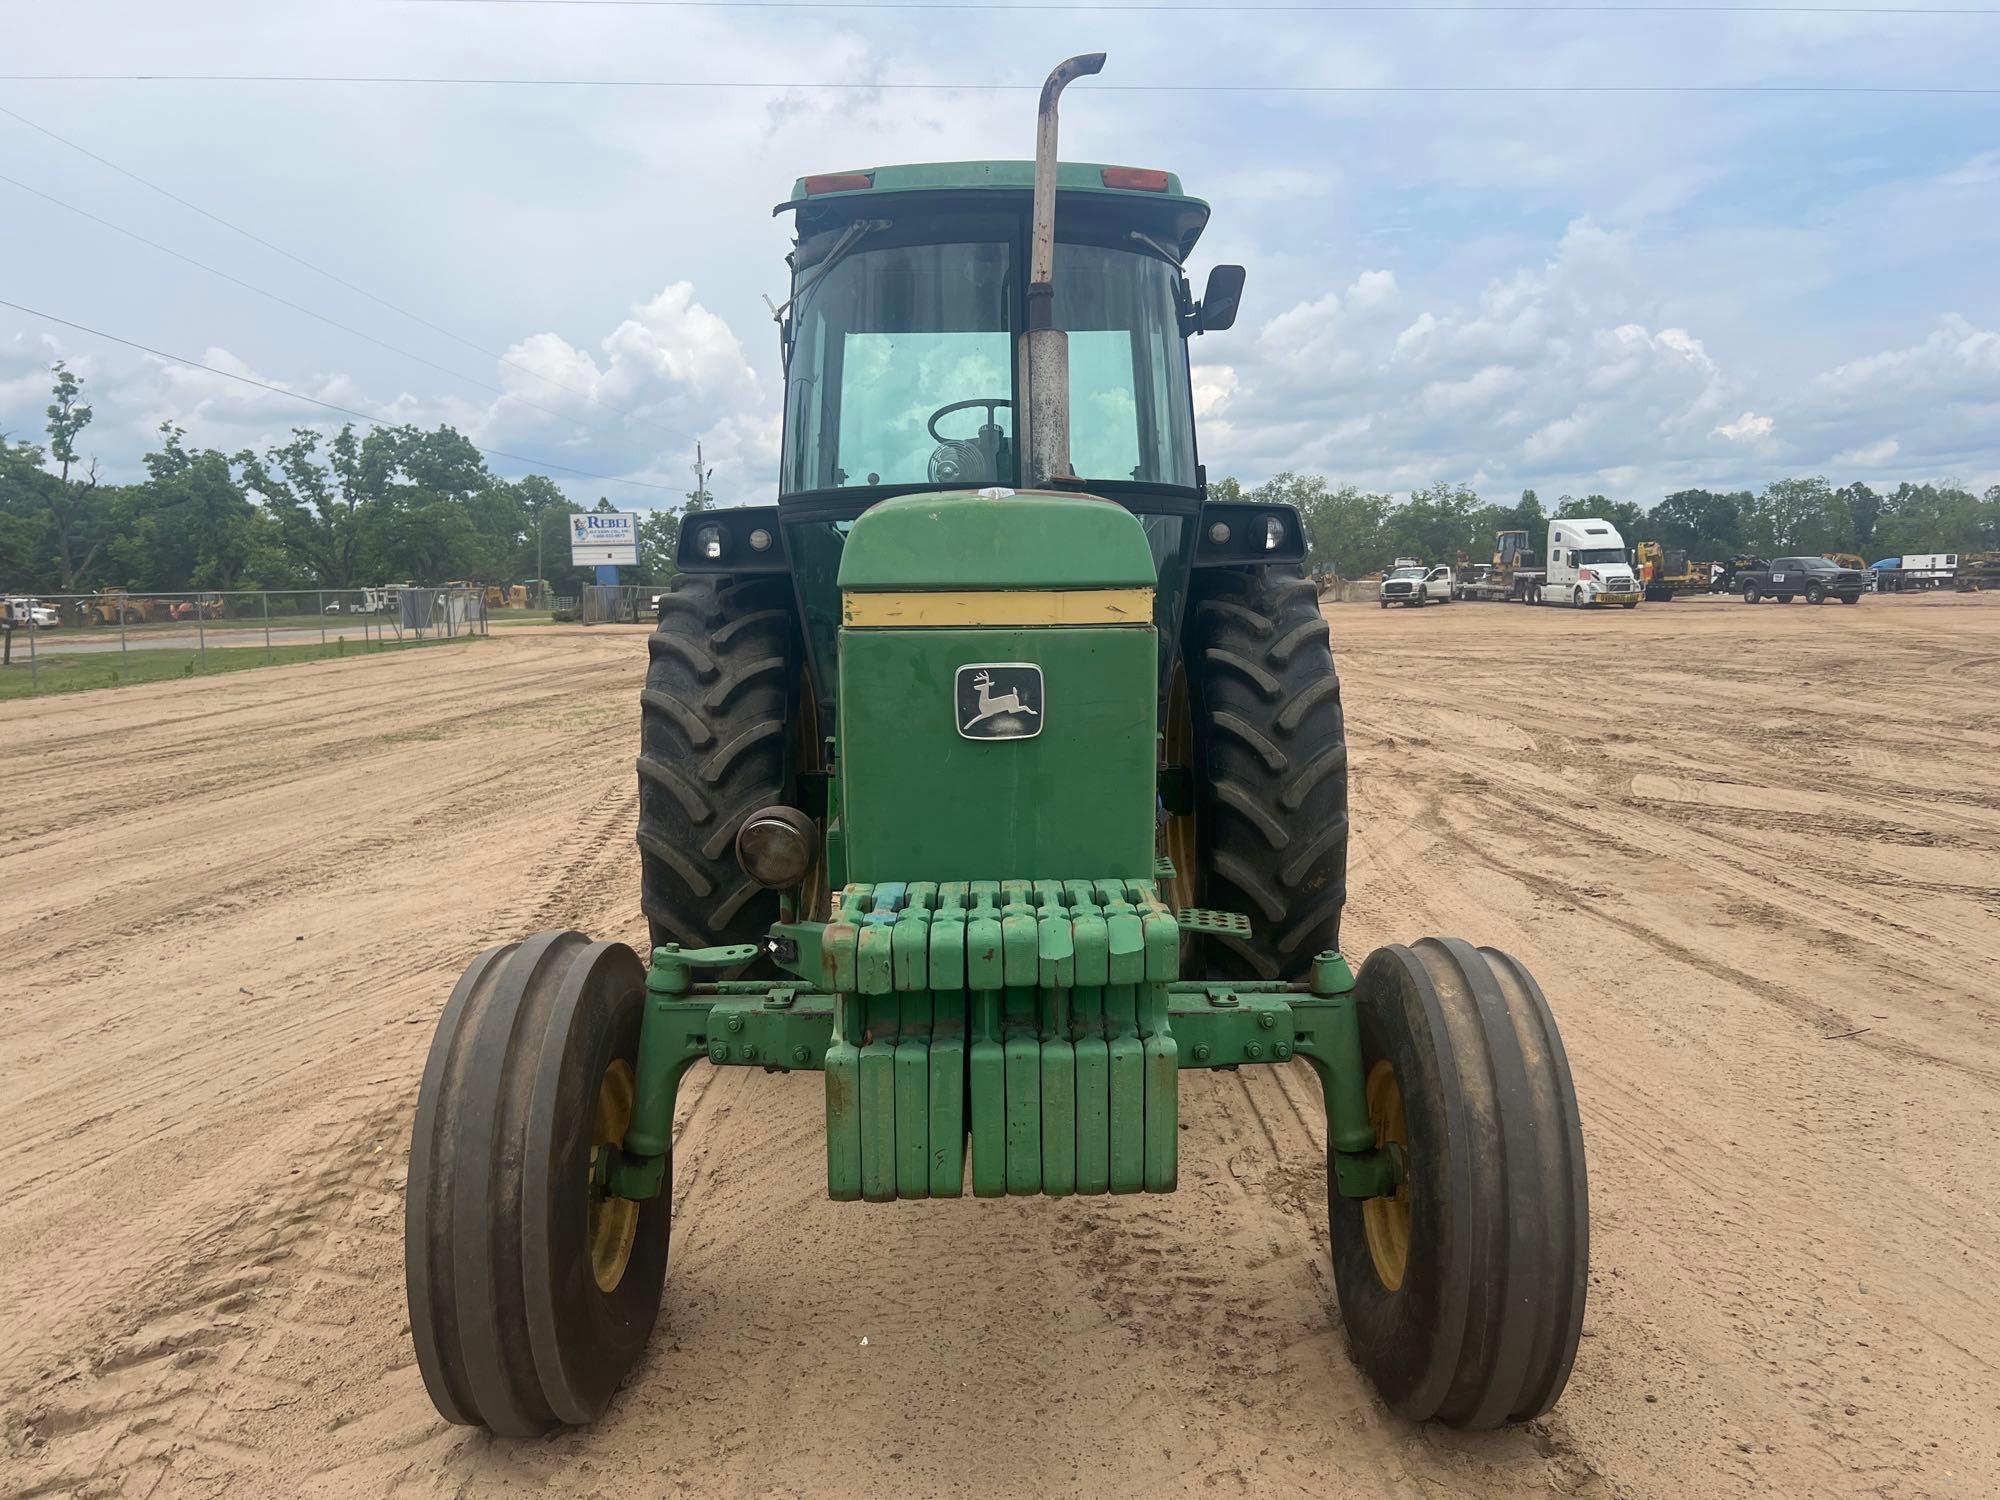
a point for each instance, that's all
(997, 776)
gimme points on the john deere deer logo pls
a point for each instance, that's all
(999, 701)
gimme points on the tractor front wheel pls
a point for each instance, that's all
(1463, 1293)
(531, 1291)
(1262, 711)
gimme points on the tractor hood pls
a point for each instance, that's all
(998, 663)
(996, 538)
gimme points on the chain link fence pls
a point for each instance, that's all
(618, 604)
(63, 642)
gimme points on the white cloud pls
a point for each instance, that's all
(1214, 389)
(1870, 455)
(1555, 375)
(1957, 361)
(1748, 428)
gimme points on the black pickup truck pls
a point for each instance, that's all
(1786, 578)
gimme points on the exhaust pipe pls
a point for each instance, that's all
(1045, 348)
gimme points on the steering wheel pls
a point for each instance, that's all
(991, 403)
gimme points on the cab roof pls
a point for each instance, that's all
(1182, 216)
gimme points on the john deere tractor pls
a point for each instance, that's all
(996, 776)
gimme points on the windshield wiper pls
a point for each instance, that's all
(850, 237)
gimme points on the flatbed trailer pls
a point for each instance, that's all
(1498, 585)
(1510, 578)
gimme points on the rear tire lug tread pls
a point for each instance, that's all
(726, 739)
(1281, 753)
(1266, 686)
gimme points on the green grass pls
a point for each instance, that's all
(520, 617)
(73, 672)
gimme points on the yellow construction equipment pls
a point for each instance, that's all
(1663, 574)
(112, 604)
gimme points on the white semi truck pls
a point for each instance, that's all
(1585, 565)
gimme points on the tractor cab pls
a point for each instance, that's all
(905, 353)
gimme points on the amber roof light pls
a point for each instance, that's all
(1139, 179)
(839, 182)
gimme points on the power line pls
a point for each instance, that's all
(344, 411)
(972, 88)
(300, 307)
(300, 260)
(1200, 6)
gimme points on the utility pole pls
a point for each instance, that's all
(699, 499)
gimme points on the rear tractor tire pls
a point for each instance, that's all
(531, 1293)
(719, 738)
(1269, 756)
(1463, 1294)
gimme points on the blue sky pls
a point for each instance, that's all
(1627, 293)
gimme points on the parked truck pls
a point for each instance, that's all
(1915, 570)
(1587, 568)
(1409, 582)
(1814, 578)
(21, 610)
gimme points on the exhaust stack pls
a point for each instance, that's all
(1045, 348)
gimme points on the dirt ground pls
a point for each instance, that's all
(1753, 854)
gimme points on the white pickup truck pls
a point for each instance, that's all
(1410, 582)
(1587, 566)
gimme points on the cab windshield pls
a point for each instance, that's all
(902, 372)
(1407, 573)
(1588, 555)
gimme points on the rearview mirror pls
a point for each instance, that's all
(1219, 299)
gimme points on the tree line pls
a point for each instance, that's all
(1355, 531)
(384, 505)
(399, 504)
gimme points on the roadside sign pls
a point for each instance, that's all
(597, 538)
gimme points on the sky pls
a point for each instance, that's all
(1618, 292)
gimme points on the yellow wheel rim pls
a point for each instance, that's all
(1386, 1221)
(1182, 846)
(614, 1222)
